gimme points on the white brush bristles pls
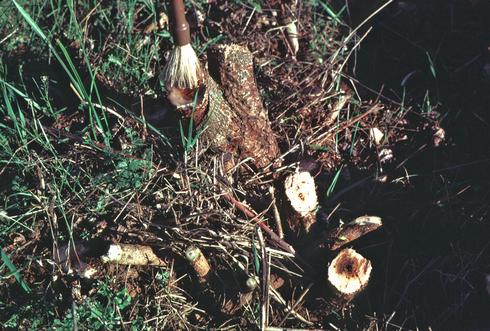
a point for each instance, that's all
(183, 69)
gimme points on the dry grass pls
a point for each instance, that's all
(87, 169)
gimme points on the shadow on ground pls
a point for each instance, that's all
(435, 253)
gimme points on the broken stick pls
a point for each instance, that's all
(341, 236)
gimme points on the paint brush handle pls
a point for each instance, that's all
(181, 31)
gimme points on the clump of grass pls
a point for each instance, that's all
(102, 311)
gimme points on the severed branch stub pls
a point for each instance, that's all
(292, 35)
(288, 19)
(352, 231)
(129, 254)
(338, 237)
(348, 275)
(198, 261)
(300, 191)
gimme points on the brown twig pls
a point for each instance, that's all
(275, 210)
(265, 282)
(296, 303)
(261, 223)
(272, 235)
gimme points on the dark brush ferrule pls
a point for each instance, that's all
(181, 30)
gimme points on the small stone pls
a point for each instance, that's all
(252, 283)
(385, 155)
(376, 135)
(439, 137)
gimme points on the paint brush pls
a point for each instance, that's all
(183, 70)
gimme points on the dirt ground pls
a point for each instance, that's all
(76, 179)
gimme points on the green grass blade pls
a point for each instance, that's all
(8, 263)
(334, 182)
(30, 21)
(431, 65)
(72, 73)
(331, 13)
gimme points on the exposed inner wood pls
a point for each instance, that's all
(130, 254)
(198, 261)
(300, 191)
(353, 230)
(348, 274)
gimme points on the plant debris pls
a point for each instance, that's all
(132, 255)
(130, 203)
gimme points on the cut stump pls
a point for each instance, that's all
(348, 275)
(198, 261)
(301, 194)
(231, 117)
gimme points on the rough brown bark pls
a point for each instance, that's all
(351, 231)
(236, 121)
(229, 115)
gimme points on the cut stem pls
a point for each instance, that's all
(129, 254)
(301, 192)
(354, 230)
(348, 275)
(198, 261)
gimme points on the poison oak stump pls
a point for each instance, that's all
(348, 275)
(230, 116)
